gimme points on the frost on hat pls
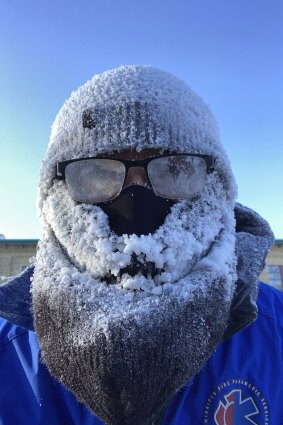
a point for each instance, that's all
(125, 347)
(133, 107)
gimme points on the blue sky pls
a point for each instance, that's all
(229, 52)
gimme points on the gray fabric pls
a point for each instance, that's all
(15, 299)
(126, 370)
(125, 343)
(254, 238)
(133, 366)
(126, 346)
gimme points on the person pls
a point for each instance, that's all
(143, 304)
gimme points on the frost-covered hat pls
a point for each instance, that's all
(133, 107)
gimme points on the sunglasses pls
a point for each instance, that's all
(101, 179)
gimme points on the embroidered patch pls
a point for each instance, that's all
(236, 402)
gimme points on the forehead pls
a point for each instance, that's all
(136, 155)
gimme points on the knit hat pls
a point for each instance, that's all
(133, 107)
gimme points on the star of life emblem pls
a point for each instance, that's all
(236, 402)
(236, 410)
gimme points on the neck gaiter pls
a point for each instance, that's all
(125, 321)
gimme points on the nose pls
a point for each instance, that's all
(136, 176)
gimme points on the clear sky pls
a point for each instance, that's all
(229, 52)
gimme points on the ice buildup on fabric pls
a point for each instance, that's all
(134, 107)
(124, 343)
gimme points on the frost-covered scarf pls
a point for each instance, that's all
(125, 344)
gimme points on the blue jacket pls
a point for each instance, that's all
(241, 384)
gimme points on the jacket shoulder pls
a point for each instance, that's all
(246, 368)
(40, 399)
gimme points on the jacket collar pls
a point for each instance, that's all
(15, 299)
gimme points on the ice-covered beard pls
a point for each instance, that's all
(125, 346)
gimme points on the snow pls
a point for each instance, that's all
(80, 255)
(134, 107)
(193, 249)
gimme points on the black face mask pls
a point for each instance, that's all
(137, 210)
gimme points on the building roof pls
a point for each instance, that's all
(18, 241)
(35, 241)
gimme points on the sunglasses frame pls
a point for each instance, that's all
(129, 163)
